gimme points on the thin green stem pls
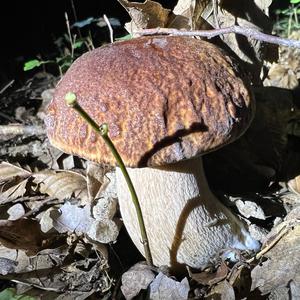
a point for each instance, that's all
(71, 100)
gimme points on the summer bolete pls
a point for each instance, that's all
(167, 101)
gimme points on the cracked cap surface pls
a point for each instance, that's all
(164, 99)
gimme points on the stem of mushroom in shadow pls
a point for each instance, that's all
(71, 101)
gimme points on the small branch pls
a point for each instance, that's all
(248, 32)
(71, 101)
(18, 129)
(7, 86)
(111, 32)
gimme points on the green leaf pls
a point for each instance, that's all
(10, 294)
(31, 64)
(127, 37)
(294, 1)
(78, 44)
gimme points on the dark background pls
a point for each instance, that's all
(29, 28)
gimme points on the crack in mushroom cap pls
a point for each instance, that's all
(165, 99)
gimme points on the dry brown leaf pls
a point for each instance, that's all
(246, 14)
(149, 14)
(12, 190)
(282, 76)
(188, 14)
(294, 185)
(23, 234)
(13, 182)
(222, 291)
(62, 184)
(95, 176)
(210, 278)
(283, 259)
(9, 171)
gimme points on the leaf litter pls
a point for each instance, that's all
(60, 224)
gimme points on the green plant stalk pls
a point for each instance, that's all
(71, 101)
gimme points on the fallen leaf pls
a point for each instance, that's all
(210, 278)
(9, 171)
(16, 211)
(13, 182)
(22, 234)
(190, 12)
(7, 266)
(95, 178)
(245, 14)
(12, 190)
(163, 287)
(62, 184)
(222, 291)
(240, 280)
(149, 14)
(104, 232)
(137, 278)
(282, 261)
(71, 218)
(294, 185)
(250, 209)
(281, 76)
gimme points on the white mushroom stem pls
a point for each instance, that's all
(185, 222)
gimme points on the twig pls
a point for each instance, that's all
(6, 86)
(71, 101)
(18, 129)
(41, 204)
(111, 32)
(70, 35)
(245, 31)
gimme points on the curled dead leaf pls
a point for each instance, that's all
(281, 76)
(149, 14)
(210, 278)
(9, 171)
(62, 184)
(13, 182)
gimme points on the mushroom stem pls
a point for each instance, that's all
(185, 222)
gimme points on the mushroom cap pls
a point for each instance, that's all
(164, 98)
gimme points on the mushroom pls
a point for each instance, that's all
(167, 101)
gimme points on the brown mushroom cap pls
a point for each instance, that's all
(165, 99)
